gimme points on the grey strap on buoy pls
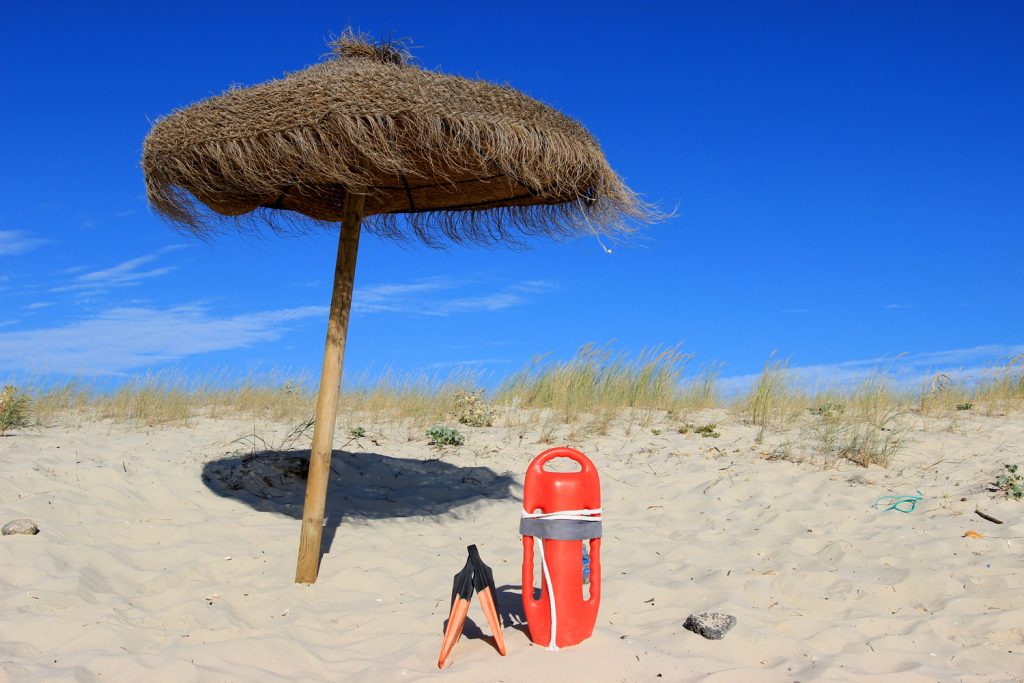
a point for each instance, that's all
(560, 529)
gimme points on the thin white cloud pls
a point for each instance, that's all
(959, 357)
(442, 296)
(898, 307)
(123, 339)
(18, 242)
(433, 284)
(905, 370)
(39, 304)
(472, 304)
(535, 286)
(125, 274)
(475, 363)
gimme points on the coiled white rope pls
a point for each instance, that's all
(584, 515)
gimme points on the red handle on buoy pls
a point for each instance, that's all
(549, 492)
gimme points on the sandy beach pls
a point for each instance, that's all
(292, 295)
(168, 554)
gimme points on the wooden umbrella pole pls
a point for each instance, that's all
(327, 397)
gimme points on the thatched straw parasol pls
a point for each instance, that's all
(362, 139)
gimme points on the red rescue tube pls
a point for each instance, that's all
(550, 492)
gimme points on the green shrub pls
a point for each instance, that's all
(14, 409)
(445, 436)
(356, 432)
(1011, 483)
(708, 431)
(471, 409)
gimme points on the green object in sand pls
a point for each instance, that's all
(903, 504)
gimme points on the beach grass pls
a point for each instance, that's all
(772, 401)
(864, 425)
(171, 397)
(598, 378)
(586, 395)
(1002, 388)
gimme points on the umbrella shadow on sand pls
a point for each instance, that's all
(362, 485)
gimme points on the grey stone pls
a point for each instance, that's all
(20, 526)
(711, 625)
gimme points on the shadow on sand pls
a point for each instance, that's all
(362, 485)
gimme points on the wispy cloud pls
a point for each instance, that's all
(442, 296)
(906, 370)
(125, 274)
(898, 307)
(39, 304)
(123, 339)
(476, 363)
(18, 242)
(72, 270)
(395, 289)
(535, 286)
(472, 304)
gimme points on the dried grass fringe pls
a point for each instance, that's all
(572, 187)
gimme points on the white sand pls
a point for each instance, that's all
(823, 586)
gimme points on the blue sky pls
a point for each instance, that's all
(846, 179)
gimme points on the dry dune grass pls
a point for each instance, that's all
(771, 402)
(862, 423)
(171, 397)
(1002, 390)
(554, 399)
(598, 383)
(865, 425)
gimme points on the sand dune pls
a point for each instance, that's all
(168, 555)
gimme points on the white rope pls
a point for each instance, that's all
(583, 515)
(551, 594)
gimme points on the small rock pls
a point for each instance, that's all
(20, 526)
(711, 625)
